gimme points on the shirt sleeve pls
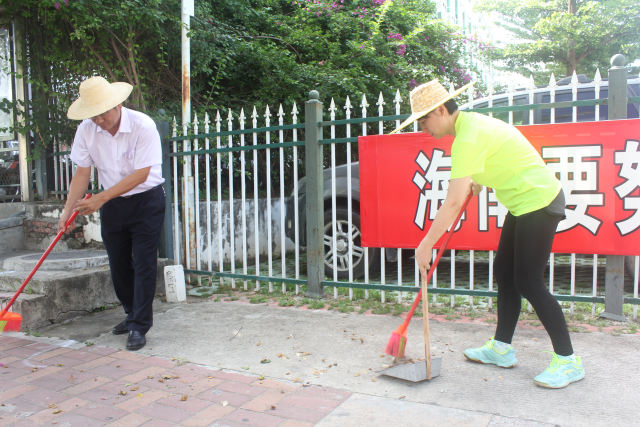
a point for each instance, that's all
(148, 147)
(79, 151)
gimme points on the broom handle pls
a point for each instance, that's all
(438, 256)
(42, 258)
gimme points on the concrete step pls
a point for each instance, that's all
(67, 285)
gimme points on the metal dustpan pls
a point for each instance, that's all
(415, 372)
(425, 369)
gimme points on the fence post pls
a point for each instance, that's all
(314, 208)
(614, 274)
(166, 236)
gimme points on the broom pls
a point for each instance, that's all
(398, 341)
(11, 321)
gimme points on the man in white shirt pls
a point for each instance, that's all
(124, 146)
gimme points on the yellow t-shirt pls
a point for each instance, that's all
(495, 154)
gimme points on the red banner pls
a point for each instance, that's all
(404, 179)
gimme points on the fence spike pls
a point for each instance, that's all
(230, 118)
(267, 116)
(218, 118)
(364, 104)
(206, 119)
(195, 123)
(552, 81)
(347, 105)
(332, 106)
(174, 126)
(254, 117)
(574, 78)
(280, 112)
(398, 98)
(242, 117)
(294, 110)
(532, 83)
(597, 78)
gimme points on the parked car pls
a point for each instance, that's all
(342, 223)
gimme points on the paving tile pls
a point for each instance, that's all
(242, 388)
(74, 419)
(15, 390)
(82, 387)
(315, 403)
(131, 420)
(208, 416)
(295, 423)
(221, 396)
(265, 401)
(100, 412)
(83, 354)
(104, 351)
(276, 385)
(190, 404)
(42, 396)
(129, 355)
(143, 374)
(158, 423)
(100, 361)
(172, 414)
(141, 400)
(261, 419)
(52, 352)
(229, 376)
(55, 411)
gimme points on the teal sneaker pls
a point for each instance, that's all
(489, 354)
(560, 372)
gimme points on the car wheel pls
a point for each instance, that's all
(341, 252)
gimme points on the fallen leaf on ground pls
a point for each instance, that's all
(184, 397)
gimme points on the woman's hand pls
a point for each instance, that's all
(475, 188)
(424, 253)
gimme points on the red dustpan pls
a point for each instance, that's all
(10, 321)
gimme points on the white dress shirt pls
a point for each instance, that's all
(136, 145)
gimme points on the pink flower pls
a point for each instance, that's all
(401, 49)
(57, 5)
(66, 2)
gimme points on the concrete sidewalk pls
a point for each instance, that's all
(233, 363)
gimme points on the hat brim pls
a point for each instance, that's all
(415, 116)
(80, 110)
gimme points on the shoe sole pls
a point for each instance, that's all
(557, 387)
(119, 332)
(488, 363)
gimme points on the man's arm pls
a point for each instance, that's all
(456, 194)
(77, 189)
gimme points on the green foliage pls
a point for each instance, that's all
(565, 36)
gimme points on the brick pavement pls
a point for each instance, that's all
(43, 383)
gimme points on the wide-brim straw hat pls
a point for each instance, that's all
(98, 96)
(426, 98)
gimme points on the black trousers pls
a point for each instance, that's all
(519, 266)
(130, 228)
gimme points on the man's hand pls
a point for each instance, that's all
(424, 253)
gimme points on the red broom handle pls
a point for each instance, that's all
(42, 258)
(434, 264)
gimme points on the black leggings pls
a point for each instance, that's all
(523, 252)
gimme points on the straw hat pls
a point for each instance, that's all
(97, 96)
(426, 98)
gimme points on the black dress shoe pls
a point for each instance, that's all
(120, 328)
(135, 340)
